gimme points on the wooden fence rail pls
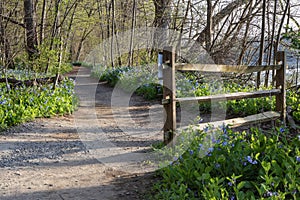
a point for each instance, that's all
(169, 91)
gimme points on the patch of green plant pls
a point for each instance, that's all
(293, 100)
(143, 80)
(77, 63)
(224, 164)
(22, 103)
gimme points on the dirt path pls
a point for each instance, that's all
(89, 155)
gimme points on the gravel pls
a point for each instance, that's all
(38, 153)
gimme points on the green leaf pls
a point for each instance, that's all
(266, 166)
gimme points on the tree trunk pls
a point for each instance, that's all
(43, 21)
(4, 42)
(209, 26)
(272, 40)
(162, 22)
(262, 42)
(112, 31)
(131, 51)
(54, 30)
(31, 36)
(277, 40)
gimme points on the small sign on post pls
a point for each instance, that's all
(160, 68)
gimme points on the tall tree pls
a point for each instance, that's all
(131, 51)
(162, 20)
(262, 41)
(30, 25)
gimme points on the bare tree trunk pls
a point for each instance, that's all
(112, 31)
(68, 38)
(4, 42)
(85, 34)
(43, 22)
(162, 22)
(262, 42)
(182, 27)
(279, 33)
(272, 40)
(31, 36)
(54, 29)
(131, 51)
(245, 38)
(209, 26)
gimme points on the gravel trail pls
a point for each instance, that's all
(55, 158)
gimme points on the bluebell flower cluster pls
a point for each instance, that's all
(250, 160)
(271, 194)
(3, 102)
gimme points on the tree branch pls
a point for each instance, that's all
(13, 21)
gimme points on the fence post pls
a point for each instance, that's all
(169, 94)
(281, 84)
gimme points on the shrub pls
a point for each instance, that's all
(26, 103)
(234, 165)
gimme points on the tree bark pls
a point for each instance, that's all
(43, 21)
(162, 22)
(31, 35)
(208, 35)
(131, 51)
(4, 42)
(262, 42)
(277, 40)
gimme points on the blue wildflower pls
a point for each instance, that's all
(3, 102)
(205, 129)
(298, 158)
(224, 143)
(270, 194)
(281, 130)
(191, 152)
(230, 183)
(217, 165)
(250, 160)
(210, 149)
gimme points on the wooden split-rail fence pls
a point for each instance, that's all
(169, 91)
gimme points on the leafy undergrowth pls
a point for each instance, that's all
(22, 103)
(224, 164)
(144, 81)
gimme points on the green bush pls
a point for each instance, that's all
(188, 85)
(234, 165)
(293, 100)
(22, 103)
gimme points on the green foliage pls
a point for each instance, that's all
(294, 37)
(138, 79)
(26, 103)
(186, 85)
(293, 100)
(223, 164)
(47, 56)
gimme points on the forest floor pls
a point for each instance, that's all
(82, 156)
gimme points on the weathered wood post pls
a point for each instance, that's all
(281, 84)
(169, 94)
